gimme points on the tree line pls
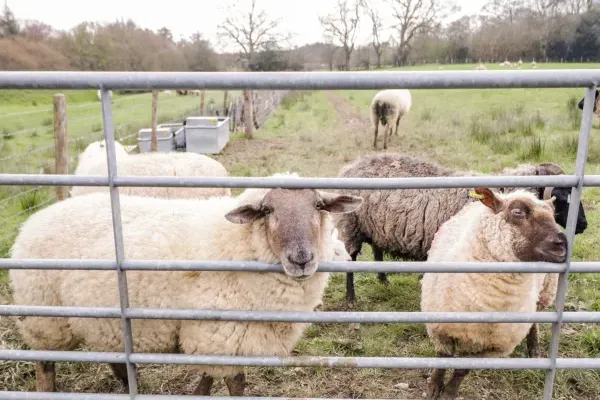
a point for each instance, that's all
(400, 32)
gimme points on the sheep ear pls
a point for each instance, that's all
(489, 199)
(245, 214)
(339, 204)
(580, 105)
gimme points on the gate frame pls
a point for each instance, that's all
(106, 81)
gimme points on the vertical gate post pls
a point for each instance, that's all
(118, 237)
(561, 291)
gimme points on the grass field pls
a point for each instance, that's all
(315, 133)
(27, 138)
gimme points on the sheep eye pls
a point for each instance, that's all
(266, 210)
(518, 213)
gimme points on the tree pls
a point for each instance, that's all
(8, 23)
(412, 17)
(251, 31)
(37, 31)
(342, 25)
(376, 29)
(199, 54)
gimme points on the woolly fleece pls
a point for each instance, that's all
(153, 228)
(92, 161)
(477, 234)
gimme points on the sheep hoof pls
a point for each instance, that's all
(383, 279)
(434, 391)
(205, 385)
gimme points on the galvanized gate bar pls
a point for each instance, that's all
(559, 78)
(94, 396)
(295, 183)
(561, 292)
(297, 316)
(302, 361)
(329, 266)
(118, 237)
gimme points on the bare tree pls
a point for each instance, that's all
(251, 30)
(412, 17)
(329, 50)
(342, 25)
(376, 28)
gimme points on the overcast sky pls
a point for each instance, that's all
(184, 17)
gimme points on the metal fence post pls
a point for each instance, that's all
(561, 291)
(118, 235)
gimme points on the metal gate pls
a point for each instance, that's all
(299, 80)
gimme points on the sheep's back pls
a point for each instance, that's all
(402, 222)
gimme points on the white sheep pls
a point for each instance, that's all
(388, 107)
(481, 67)
(291, 227)
(99, 94)
(512, 227)
(92, 161)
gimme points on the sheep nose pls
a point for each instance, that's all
(560, 239)
(301, 258)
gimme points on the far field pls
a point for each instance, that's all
(314, 134)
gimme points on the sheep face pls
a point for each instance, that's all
(533, 232)
(580, 105)
(293, 219)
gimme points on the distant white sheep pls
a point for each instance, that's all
(481, 67)
(388, 107)
(291, 227)
(93, 161)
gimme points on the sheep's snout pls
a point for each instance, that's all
(299, 262)
(554, 248)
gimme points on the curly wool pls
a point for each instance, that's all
(475, 234)
(92, 161)
(154, 228)
(403, 222)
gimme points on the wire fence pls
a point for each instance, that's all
(27, 142)
(286, 81)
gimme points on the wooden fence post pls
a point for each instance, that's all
(225, 110)
(60, 142)
(154, 140)
(248, 114)
(202, 99)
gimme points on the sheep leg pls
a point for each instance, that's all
(236, 384)
(120, 372)
(205, 385)
(350, 294)
(453, 386)
(378, 256)
(397, 123)
(436, 384)
(375, 135)
(386, 134)
(533, 342)
(45, 376)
